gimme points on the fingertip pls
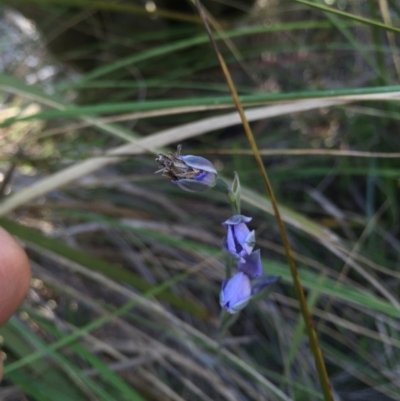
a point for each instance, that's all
(15, 275)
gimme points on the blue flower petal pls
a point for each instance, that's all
(206, 178)
(190, 185)
(230, 243)
(241, 233)
(250, 242)
(236, 219)
(199, 163)
(252, 265)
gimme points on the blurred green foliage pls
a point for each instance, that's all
(127, 268)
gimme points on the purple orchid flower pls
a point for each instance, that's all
(191, 173)
(239, 240)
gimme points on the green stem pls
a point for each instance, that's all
(234, 199)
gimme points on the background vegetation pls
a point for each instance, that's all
(127, 268)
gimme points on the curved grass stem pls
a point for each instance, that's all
(313, 340)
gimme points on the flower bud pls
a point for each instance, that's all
(235, 293)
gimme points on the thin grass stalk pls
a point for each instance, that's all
(301, 152)
(357, 18)
(313, 340)
(387, 19)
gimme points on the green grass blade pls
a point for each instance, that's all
(357, 18)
